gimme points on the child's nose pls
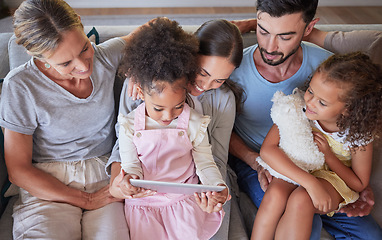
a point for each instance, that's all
(168, 115)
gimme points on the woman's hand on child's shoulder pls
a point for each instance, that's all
(212, 201)
(132, 89)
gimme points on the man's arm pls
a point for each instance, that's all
(317, 37)
(246, 25)
(240, 150)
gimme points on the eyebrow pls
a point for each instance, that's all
(222, 79)
(321, 99)
(83, 48)
(286, 33)
(175, 105)
(206, 72)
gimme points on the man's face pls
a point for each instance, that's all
(279, 38)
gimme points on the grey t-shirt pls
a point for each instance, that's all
(64, 127)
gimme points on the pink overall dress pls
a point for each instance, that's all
(165, 155)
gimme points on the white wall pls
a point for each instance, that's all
(190, 3)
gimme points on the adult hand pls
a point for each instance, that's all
(264, 177)
(132, 89)
(98, 199)
(246, 25)
(362, 206)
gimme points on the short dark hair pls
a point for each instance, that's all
(279, 8)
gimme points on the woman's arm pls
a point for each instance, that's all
(18, 157)
(220, 127)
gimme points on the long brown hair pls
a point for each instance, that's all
(222, 38)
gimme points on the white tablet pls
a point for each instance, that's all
(180, 188)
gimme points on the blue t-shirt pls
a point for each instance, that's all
(253, 124)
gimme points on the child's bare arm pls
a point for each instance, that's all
(276, 158)
(358, 175)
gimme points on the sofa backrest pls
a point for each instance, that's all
(18, 55)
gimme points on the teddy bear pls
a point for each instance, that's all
(296, 137)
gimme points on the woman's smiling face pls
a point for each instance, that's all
(73, 57)
(214, 70)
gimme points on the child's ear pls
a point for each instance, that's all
(140, 93)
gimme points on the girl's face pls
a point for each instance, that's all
(167, 105)
(73, 57)
(214, 71)
(322, 101)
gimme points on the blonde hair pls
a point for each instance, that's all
(39, 24)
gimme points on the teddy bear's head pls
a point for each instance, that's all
(288, 106)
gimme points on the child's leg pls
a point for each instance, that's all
(271, 209)
(296, 222)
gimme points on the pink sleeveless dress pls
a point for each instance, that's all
(165, 155)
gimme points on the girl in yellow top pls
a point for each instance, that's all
(343, 102)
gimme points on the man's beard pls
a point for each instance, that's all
(281, 60)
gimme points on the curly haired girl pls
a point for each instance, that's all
(163, 139)
(344, 105)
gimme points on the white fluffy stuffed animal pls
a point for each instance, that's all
(296, 137)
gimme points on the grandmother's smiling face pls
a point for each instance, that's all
(73, 58)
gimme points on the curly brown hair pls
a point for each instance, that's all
(160, 51)
(362, 81)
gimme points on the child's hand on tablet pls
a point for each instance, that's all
(129, 191)
(212, 201)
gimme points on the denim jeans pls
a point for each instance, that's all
(339, 226)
